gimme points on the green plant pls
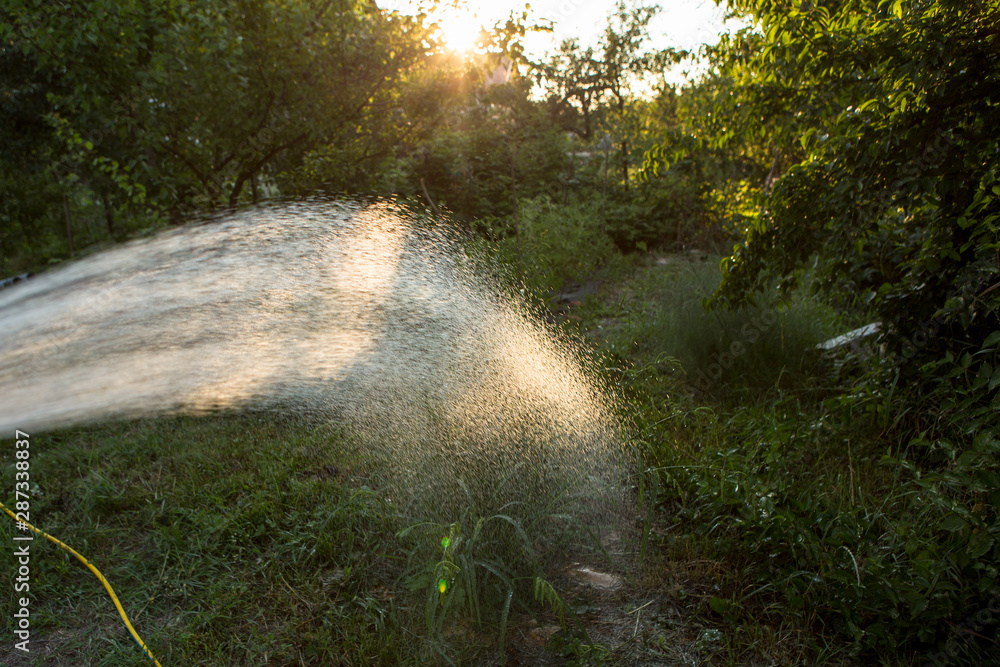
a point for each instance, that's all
(560, 244)
(766, 344)
(473, 576)
(862, 495)
(586, 650)
(498, 538)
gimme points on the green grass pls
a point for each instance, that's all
(806, 494)
(660, 320)
(229, 540)
(257, 539)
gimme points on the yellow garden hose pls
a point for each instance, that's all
(97, 573)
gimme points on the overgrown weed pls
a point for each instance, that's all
(825, 510)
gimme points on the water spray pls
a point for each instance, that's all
(358, 314)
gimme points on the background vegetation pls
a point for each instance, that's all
(839, 157)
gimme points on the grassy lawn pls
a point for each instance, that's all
(238, 539)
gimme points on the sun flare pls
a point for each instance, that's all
(460, 29)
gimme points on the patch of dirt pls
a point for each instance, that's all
(603, 581)
(45, 647)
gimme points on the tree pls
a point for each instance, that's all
(62, 118)
(193, 105)
(574, 85)
(603, 79)
(468, 129)
(894, 105)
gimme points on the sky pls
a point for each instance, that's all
(684, 24)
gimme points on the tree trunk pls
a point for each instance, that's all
(69, 224)
(604, 194)
(427, 196)
(517, 218)
(234, 196)
(108, 215)
(772, 176)
(572, 172)
(625, 163)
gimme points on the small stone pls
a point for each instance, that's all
(602, 580)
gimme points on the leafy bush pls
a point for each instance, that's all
(559, 244)
(667, 211)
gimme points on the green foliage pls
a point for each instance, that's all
(838, 496)
(184, 107)
(894, 195)
(710, 179)
(894, 188)
(560, 245)
(547, 595)
(880, 117)
(477, 577)
(473, 576)
(174, 109)
(669, 212)
(892, 555)
(497, 147)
